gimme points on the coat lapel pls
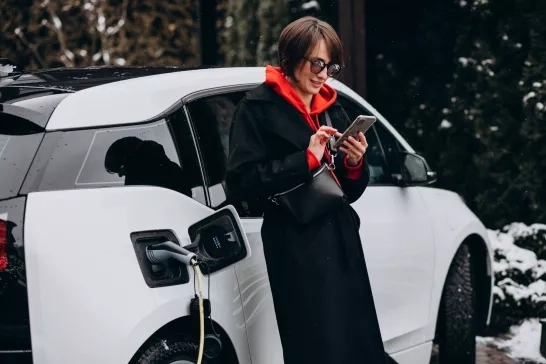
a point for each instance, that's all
(280, 117)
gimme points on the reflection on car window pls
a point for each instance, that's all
(212, 117)
(137, 155)
(101, 140)
(144, 162)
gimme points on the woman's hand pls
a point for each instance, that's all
(318, 141)
(354, 149)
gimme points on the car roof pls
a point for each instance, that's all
(145, 98)
(112, 96)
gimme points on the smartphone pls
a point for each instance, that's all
(361, 124)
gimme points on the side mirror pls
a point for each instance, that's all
(415, 170)
(219, 240)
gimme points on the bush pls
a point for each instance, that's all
(520, 275)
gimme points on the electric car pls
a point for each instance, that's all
(99, 164)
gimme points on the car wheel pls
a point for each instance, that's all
(457, 326)
(180, 350)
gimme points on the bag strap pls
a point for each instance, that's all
(331, 148)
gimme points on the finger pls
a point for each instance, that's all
(344, 150)
(338, 134)
(351, 151)
(363, 139)
(328, 129)
(322, 134)
(356, 144)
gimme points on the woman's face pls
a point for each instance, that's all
(309, 83)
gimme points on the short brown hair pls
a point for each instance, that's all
(298, 39)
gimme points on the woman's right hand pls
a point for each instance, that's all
(318, 141)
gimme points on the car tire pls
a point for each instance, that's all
(457, 324)
(178, 350)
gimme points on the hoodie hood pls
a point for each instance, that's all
(321, 101)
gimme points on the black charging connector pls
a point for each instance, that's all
(194, 308)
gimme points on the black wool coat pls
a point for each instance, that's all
(317, 271)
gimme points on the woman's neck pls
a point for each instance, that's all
(307, 98)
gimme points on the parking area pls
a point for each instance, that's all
(484, 355)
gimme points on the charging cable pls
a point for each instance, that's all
(160, 253)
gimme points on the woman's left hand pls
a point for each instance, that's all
(354, 149)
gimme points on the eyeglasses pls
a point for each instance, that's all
(317, 65)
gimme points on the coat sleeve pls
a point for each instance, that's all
(353, 184)
(251, 171)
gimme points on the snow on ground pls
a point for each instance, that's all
(522, 343)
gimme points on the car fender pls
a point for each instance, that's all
(178, 308)
(453, 224)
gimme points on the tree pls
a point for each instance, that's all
(252, 27)
(463, 80)
(497, 172)
(72, 33)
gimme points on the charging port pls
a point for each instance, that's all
(162, 274)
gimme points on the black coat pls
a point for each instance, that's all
(317, 272)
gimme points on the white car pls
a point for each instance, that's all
(75, 282)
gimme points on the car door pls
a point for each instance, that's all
(397, 240)
(96, 199)
(212, 116)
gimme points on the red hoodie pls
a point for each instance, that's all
(321, 101)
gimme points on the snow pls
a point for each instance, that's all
(6, 69)
(101, 24)
(528, 96)
(445, 124)
(514, 257)
(522, 343)
(539, 106)
(57, 22)
(463, 61)
(165, 346)
(310, 5)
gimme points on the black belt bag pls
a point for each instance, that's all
(308, 201)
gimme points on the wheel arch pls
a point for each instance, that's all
(482, 265)
(186, 325)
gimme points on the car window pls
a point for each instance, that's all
(212, 117)
(374, 154)
(391, 148)
(116, 156)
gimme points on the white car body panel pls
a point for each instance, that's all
(409, 239)
(399, 248)
(451, 227)
(88, 300)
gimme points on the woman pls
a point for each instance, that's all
(319, 281)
